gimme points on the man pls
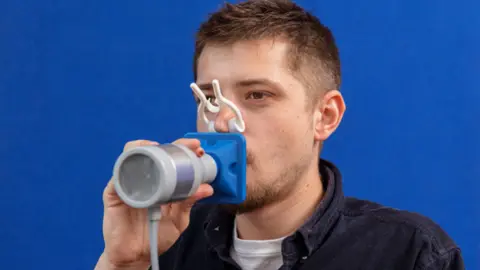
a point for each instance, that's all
(281, 67)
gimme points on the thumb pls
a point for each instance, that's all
(180, 211)
(110, 196)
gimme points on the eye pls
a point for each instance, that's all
(257, 95)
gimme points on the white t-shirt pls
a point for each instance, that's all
(256, 255)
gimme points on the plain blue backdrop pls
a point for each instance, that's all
(80, 78)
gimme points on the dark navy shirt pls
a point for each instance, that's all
(343, 233)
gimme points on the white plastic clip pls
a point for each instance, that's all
(235, 124)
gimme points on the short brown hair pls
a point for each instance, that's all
(313, 56)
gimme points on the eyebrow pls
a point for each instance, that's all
(244, 83)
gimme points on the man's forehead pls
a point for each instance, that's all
(243, 52)
(242, 61)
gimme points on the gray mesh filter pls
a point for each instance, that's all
(141, 168)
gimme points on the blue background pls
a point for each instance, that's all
(80, 78)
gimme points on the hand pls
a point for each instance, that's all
(125, 229)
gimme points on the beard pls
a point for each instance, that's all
(265, 190)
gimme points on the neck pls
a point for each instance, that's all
(284, 217)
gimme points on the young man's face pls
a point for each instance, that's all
(281, 130)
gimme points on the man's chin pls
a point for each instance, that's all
(248, 206)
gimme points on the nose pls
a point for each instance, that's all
(224, 116)
(228, 117)
(231, 120)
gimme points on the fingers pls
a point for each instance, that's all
(180, 211)
(182, 207)
(190, 143)
(204, 191)
(132, 144)
(193, 144)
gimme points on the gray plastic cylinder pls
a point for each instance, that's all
(150, 175)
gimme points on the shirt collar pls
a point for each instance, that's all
(316, 228)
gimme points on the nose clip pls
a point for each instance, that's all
(235, 125)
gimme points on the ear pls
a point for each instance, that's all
(328, 114)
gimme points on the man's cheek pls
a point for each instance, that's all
(201, 127)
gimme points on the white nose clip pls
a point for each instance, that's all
(235, 125)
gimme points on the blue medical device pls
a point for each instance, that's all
(146, 176)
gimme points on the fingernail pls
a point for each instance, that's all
(200, 152)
